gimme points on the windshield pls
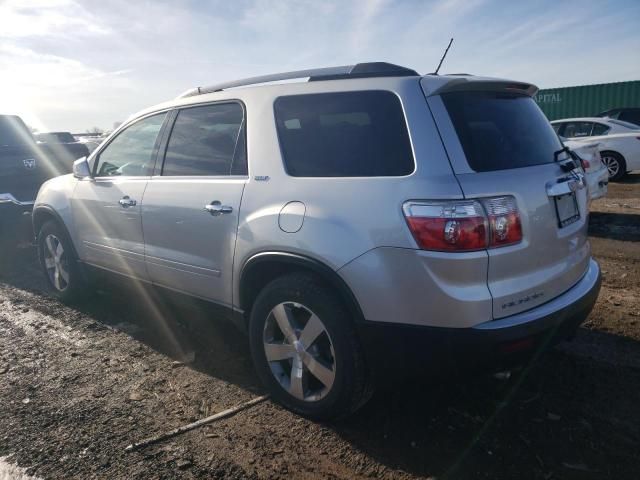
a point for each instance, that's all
(13, 132)
(500, 131)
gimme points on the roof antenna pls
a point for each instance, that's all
(442, 59)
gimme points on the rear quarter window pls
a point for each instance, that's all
(344, 134)
(500, 131)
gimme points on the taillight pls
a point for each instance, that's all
(464, 225)
(504, 221)
(585, 164)
(448, 226)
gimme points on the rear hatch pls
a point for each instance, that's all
(501, 144)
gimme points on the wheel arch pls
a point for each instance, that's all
(616, 153)
(264, 267)
(43, 213)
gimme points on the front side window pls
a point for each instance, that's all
(346, 134)
(578, 129)
(131, 152)
(207, 141)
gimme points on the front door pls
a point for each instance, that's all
(190, 211)
(107, 207)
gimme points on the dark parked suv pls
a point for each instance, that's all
(24, 166)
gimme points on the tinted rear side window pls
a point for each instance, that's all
(346, 134)
(205, 141)
(599, 129)
(501, 131)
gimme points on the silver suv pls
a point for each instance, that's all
(356, 221)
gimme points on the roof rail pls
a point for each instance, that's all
(360, 70)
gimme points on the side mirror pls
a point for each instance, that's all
(81, 168)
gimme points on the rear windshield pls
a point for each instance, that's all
(13, 132)
(624, 124)
(344, 134)
(501, 131)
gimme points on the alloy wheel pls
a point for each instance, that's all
(299, 351)
(612, 164)
(55, 262)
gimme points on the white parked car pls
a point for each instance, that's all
(619, 141)
(596, 172)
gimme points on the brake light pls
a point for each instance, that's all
(585, 164)
(504, 221)
(447, 226)
(464, 225)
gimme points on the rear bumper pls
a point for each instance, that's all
(494, 344)
(597, 182)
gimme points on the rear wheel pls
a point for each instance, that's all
(59, 262)
(615, 164)
(305, 348)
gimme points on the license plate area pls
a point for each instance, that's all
(566, 209)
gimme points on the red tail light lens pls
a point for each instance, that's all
(447, 226)
(504, 221)
(464, 225)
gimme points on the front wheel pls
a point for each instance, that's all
(305, 348)
(59, 263)
(615, 165)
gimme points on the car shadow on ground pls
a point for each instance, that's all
(630, 178)
(546, 420)
(616, 226)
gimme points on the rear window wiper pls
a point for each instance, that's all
(569, 164)
(557, 153)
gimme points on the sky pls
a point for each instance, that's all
(73, 65)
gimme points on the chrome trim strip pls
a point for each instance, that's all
(128, 254)
(182, 267)
(8, 198)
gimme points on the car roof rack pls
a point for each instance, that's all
(360, 70)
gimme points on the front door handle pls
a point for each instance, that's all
(216, 208)
(127, 202)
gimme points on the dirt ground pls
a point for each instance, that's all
(78, 384)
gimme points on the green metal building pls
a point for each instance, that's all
(588, 100)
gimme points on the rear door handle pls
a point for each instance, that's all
(127, 202)
(216, 208)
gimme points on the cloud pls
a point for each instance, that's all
(74, 64)
(27, 18)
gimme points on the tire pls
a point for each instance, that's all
(301, 300)
(615, 164)
(59, 262)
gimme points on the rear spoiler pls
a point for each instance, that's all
(466, 83)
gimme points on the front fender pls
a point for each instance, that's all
(54, 200)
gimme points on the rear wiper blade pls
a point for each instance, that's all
(557, 153)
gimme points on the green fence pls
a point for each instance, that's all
(588, 100)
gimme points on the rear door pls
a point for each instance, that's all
(190, 209)
(500, 144)
(106, 208)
